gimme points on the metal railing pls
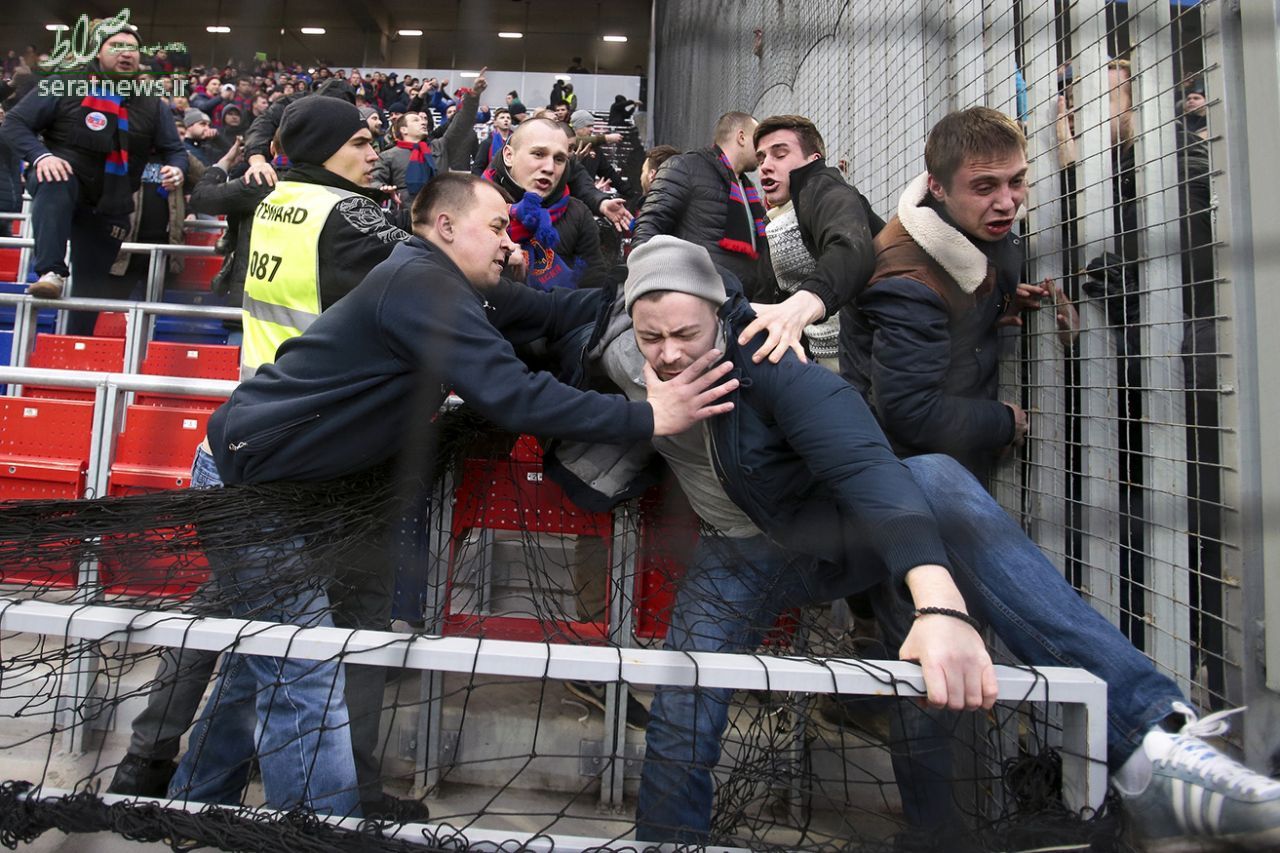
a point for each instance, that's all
(139, 321)
(158, 251)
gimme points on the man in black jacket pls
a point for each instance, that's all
(922, 345)
(87, 155)
(809, 503)
(705, 197)
(344, 398)
(820, 232)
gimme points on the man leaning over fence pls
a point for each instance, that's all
(316, 234)
(923, 343)
(809, 503)
(345, 397)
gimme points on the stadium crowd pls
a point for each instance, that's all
(822, 383)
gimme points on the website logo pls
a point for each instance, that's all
(67, 71)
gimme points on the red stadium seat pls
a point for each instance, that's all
(198, 272)
(154, 453)
(511, 494)
(110, 324)
(9, 257)
(73, 352)
(196, 361)
(44, 453)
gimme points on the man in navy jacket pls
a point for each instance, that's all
(810, 504)
(354, 392)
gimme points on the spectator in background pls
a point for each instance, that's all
(410, 164)
(621, 110)
(1195, 120)
(232, 125)
(560, 110)
(570, 98)
(244, 95)
(653, 160)
(555, 231)
(201, 138)
(86, 165)
(491, 146)
(576, 67)
(208, 98)
(705, 197)
(586, 150)
(372, 118)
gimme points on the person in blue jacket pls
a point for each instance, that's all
(808, 503)
(348, 396)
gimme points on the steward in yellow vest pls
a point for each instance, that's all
(318, 233)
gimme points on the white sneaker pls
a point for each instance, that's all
(47, 286)
(1199, 799)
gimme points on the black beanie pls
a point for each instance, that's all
(313, 128)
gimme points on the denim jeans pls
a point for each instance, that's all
(300, 732)
(730, 592)
(58, 216)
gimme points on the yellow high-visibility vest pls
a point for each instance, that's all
(282, 281)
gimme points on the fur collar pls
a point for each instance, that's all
(953, 251)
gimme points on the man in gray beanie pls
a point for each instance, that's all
(807, 504)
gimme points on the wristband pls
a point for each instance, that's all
(954, 614)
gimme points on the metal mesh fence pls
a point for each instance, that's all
(1122, 480)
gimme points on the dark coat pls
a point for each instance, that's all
(689, 199)
(923, 347)
(837, 226)
(800, 454)
(342, 397)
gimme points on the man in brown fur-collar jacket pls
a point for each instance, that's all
(922, 347)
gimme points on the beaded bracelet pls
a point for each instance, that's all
(954, 614)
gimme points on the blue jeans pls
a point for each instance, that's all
(732, 589)
(300, 732)
(59, 216)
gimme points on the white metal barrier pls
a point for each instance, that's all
(1081, 696)
(139, 321)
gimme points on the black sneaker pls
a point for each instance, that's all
(592, 692)
(392, 809)
(142, 777)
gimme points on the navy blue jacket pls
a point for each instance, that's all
(925, 352)
(340, 398)
(803, 457)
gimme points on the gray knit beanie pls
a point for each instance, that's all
(669, 263)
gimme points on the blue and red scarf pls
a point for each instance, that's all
(422, 165)
(117, 197)
(533, 227)
(737, 233)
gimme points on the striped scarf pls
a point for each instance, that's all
(737, 233)
(117, 198)
(422, 166)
